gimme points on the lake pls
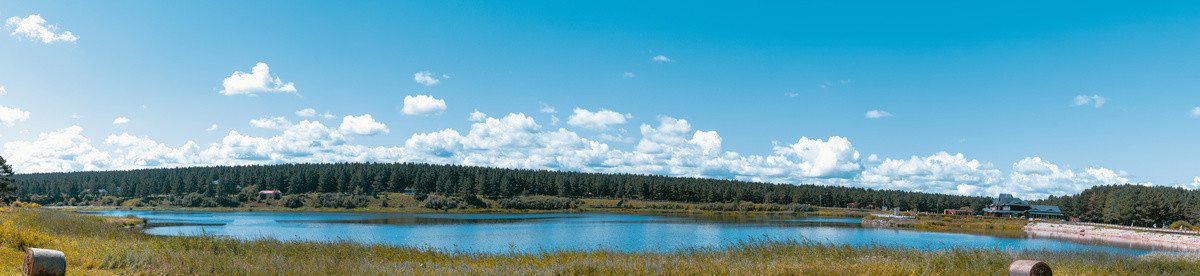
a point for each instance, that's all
(498, 233)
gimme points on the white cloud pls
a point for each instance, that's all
(938, 173)
(3, 91)
(423, 105)
(1195, 112)
(628, 75)
(547, 109)
(61, 150)
(9, 116)
(362, 125)
(212, 128)
(34, 27)
(76, 116)
(271, 123)
(328, 115)
(426, 78)
(120, 121)
(791, 94)
(816, 158)
(1038, 179)
(477, 116)
(669, 147)
(1096, 100)
(876, 114)
(599, 120)
(307, 112)
(258, 80)
(661, 58)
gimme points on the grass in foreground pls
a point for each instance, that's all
(96, 246)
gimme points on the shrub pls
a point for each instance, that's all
(801, 208)
(1182, 224)
(538, 203)
(439, 203)
(293, 202)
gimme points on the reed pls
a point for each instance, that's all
(96, 245)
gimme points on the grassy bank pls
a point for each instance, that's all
(98, 246)
(954, 223)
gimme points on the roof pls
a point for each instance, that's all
(1044, 209)
(270, 192)
(1008, 199)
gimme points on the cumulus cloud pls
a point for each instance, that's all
(423, 105)
(328, 115)
(661, 58)
(35, 28)
(271, 123)
(669, 146)
(628, 75)
(9, 116)
(120, 121)
(212, 128)
(1195, 113)
(876, 114)
(599, 120)
(3, 91)
(477, 116)
(307, 112)
(426, 78)
(1095, 100)
(1037, 178)
(61, 150)
(362, 125)
(939, 173)
(258, 80)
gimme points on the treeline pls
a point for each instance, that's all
(1130, 204)
(359, 179)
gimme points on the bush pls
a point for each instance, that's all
(293, 202)
(539, 203)
(1183, 225)
(440, 203)
(801, 208)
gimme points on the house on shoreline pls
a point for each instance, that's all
(1008, 206)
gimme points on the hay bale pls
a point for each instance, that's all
(1029, 268)
(45, 262)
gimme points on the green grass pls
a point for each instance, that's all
(97, 245)
(958, 223)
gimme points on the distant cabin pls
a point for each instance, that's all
(270, 194)
(409, 191)
(1008, 206)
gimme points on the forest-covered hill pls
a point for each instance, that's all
(453, 180)
(1123, 204)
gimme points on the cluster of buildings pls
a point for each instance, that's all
(1006, 205)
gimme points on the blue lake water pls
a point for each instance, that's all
(498, 233)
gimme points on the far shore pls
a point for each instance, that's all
(1131, 238)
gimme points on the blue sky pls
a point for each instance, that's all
(969, 98)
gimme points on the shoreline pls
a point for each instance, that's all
(1129, 238)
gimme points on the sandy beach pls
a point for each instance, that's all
(1129, 238)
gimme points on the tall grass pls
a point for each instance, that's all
(95, 245)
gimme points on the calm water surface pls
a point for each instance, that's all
(499, 233)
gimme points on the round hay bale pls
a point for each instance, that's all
(1029, 268)
(45, 262)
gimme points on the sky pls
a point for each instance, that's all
(946, 97)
